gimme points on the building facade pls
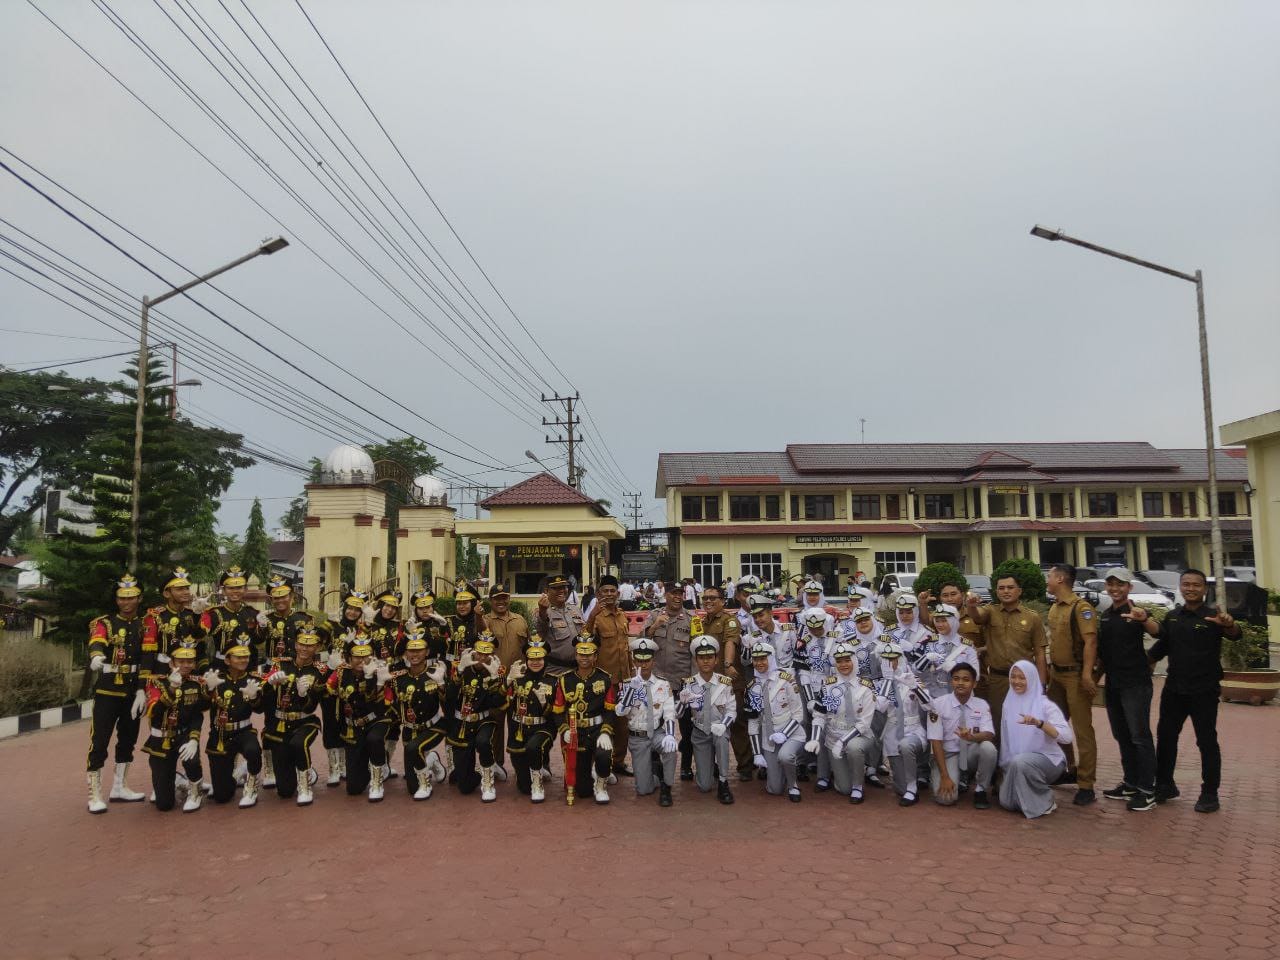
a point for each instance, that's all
(835, 509)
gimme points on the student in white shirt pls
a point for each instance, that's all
(962, 738)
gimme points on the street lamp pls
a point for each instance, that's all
(267, 247)
(1215, 522)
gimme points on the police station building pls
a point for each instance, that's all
(836, 509)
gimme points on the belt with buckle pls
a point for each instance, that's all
(531, 721)
(1059, 669)
(421, 724)
(362, 721)
(473, 717)
(236, 725)
(294, 715)
(157, 732)
(122, 668)
(590, 721)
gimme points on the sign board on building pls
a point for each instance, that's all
(1015, 488)
(540, 551)
(1111, 543)
(827, 539)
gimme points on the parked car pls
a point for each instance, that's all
(1241, 573)
(1139, 593)
(1165, 581)
(981, 585)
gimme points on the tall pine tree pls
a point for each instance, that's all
(255, 558)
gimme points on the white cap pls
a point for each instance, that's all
(815, 617)
(1120, 573)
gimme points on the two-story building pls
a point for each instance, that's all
(836, 509)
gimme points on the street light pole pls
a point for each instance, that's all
(268, 247)
(1215, 521)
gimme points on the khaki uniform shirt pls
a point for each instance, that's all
(613, 637)
(510, 633)
(971, 630)
(559, 628)
(1013, 635)
(724, 627)
(1061, 645)
(672, 662)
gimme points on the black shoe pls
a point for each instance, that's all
(980, 801)
(1208, 802)
(1167, 792)
(874, 781)
(855, 797)
(802, 775)
(686, 775)
(1068, 777)
(962, 788)
(723, 793)
(762, 774)
(822, 786)
(793, 795)
(908, 800)
(620, 770)
(746, 776)
(921, 786)
(664, 796)
(1121, 791)
(1084, 797)
(1141, 800)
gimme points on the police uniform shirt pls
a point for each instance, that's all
(559, 628)
(947, 715)
(1061, 635)
(1013, 635)
(673, 658)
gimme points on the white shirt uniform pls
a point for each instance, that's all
(710, 701)
(781, 709)
(850, 705)
(947, 715)
(649, 707)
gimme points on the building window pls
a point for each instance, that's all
(892, 507)
(1175, 504)
(711, 508)
(699, 508)
(896, 561)
(708, 568)
(744, 507)
(1103, 505)
(772, 506)
(866, 507)
(820, 507)
(1053, 504)
(939, 506)
(766, 566)
(1153, 504)
(1226, 504)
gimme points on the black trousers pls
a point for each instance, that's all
(589, 756)
(1129, 712)
(479, 745)
(1202, 708)
(331, 723)
(112, 715)
(222, 765)
(291, 752)
(534, 755)
(416, 747)
(368, 747)
(686, 740)
(164, 770)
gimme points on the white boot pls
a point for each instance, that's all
(487, 793)
(268, 777)
(375, 783)
(436, 768)
(342, 763)
(249, 796)
(195, 795)
(120, 792)
(96, 804)
(240, 770)
(335, 766)
(546, 775)
(500, 772)
(304, 788)
(536, 793)
(599, 785)
(388, 772)
(425, 784)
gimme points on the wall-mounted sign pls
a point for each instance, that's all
(1010, 489)
(827, 539)
(539, 551)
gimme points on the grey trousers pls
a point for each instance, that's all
(780, 766)
(850, 770)
(905, 765)
(708, 753)
(1026, 784)
(642, 750)
(976, 759)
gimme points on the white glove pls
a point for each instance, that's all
(811, 746)
(718, 729)
(304, 684)
(263, 619)
(436, 672)
(367, 613)
(467, 658)
(187, 750)
(838, 750)
(334, 660)
(163, 658)
(199, 605)
(370, 668)
(251, 689)
(383, 673)
(883, 705)
(566, 736)
(139, 704)
(668, 744)
(605, 742)
(686, 695)
(277, 677)
(932, 657)
(758, 760)
(778, 737)
(212, 680)
(517, 671)
(97, 662)
(492, 667)
(175, 680)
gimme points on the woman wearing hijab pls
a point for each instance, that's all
(1031, 729)
(775, 721)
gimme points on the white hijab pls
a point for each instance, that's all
(1018, 738)
(877, 628)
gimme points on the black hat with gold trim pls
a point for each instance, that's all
(415, 640)
(423, 598)
(356, 598)
(232, 577)
(499, 590)
(127, 586)
(183, 653)
(278, 586)
(586, 645)
(178, 578)
(484, 643)
(391, 598)
(362, 650)
(557, 580)
(537, 650)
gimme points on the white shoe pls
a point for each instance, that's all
(120, 792)
(96, 804)
(388, 772)
(151, 798)
(195, 796)
(425, 783)
(598, 785)
(249, 796)
(312, 776)
(612, 779)
(304, 788)
(240, 770)
(536, 793)
(268, 778)
(436, 768)
(500, 772)
(335, 766)
(487, 792)
(375, 783)
(546, 775)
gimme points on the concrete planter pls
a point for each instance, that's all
(1250, 686)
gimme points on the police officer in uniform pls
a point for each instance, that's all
(418, 705)
(291, 697)
(584, 707)
(474, 701)
(175, 710)
(1073, 656)
(708, 700)
(360, 689)
(224, 623)
(235, 696)
(645, 701)
(671, 627)
(530, 698)
(122, 646)
(559, 623)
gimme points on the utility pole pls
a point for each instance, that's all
(863, 421)
(570, 423)
(633, 505)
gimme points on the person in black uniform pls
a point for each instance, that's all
(384, 629)
(178, 624)
(433, 626)
(175, 711)
(465, 626)
(225, 622)
(344, 633)
(360, 688)
(278, 630)
(235, 695)
(530, 696)
(418, 696)
(292, 694)
(476, 697)
(122, 647)
(1191, 637)
(585, 710)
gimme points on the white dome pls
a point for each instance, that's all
(430, 488)
(349, 464)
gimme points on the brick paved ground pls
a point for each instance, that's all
(451, 877)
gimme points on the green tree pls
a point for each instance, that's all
(937, 575)
(255, 557)
(467, 560)
(201, 555)
(1028, 574)
(294, 520)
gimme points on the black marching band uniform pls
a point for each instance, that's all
(176, 706)
(223, 624)
(434, 628)
(291, 696)
(178, 626)
(584, 708)
(464, 629)
(474, 701)
(235, 695)
(417, 708)
(530, 699)
(362, 710)
(342, 635)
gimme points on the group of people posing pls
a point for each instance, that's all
(834, 696)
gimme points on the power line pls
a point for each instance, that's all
(71, 363)
(60, 336)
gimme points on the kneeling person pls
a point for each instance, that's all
(584, 704)
(418, 694)
(650, 710)
(236, 696)
(530, 696)
(175, 709)
(962, 738)
(775, 711)
(842, 721)
(293, 694)
(712, 707)
(476, 697)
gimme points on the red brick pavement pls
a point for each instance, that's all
(452, 877)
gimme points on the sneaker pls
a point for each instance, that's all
(1121, 791)
(1167, 792)
(1141, 800)
(980, 801)
(909, 799)
(1068, 777)
(1084, 797)
(822, 785)
(1208, 802)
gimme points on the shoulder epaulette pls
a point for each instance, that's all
(689, 681)
(866, 682)
(965, 641)
(99, 619)
(784, 675)
(830, 680)
(726, 681)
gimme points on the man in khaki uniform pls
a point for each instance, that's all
(609, 626)
(511, 637)
(1073, 651)
(671, 627)
(559, 623)
(1013, 633)
(719, 623)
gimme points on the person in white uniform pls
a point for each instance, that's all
(962, 741)
(650, 710)
(1032, 731)
(709, 700)
(775, 721)
(842, 722)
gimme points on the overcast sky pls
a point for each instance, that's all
(732, 225)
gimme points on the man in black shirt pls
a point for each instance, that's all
(1123, 659)
(1191, 637)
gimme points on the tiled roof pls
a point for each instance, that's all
(794, 529)
(541, 490)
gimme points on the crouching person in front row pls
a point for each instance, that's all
(646, 703)
(842, 719)
(712, 707)
(775, 721)
(236, 696)
(175, 711)
(962, 739)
